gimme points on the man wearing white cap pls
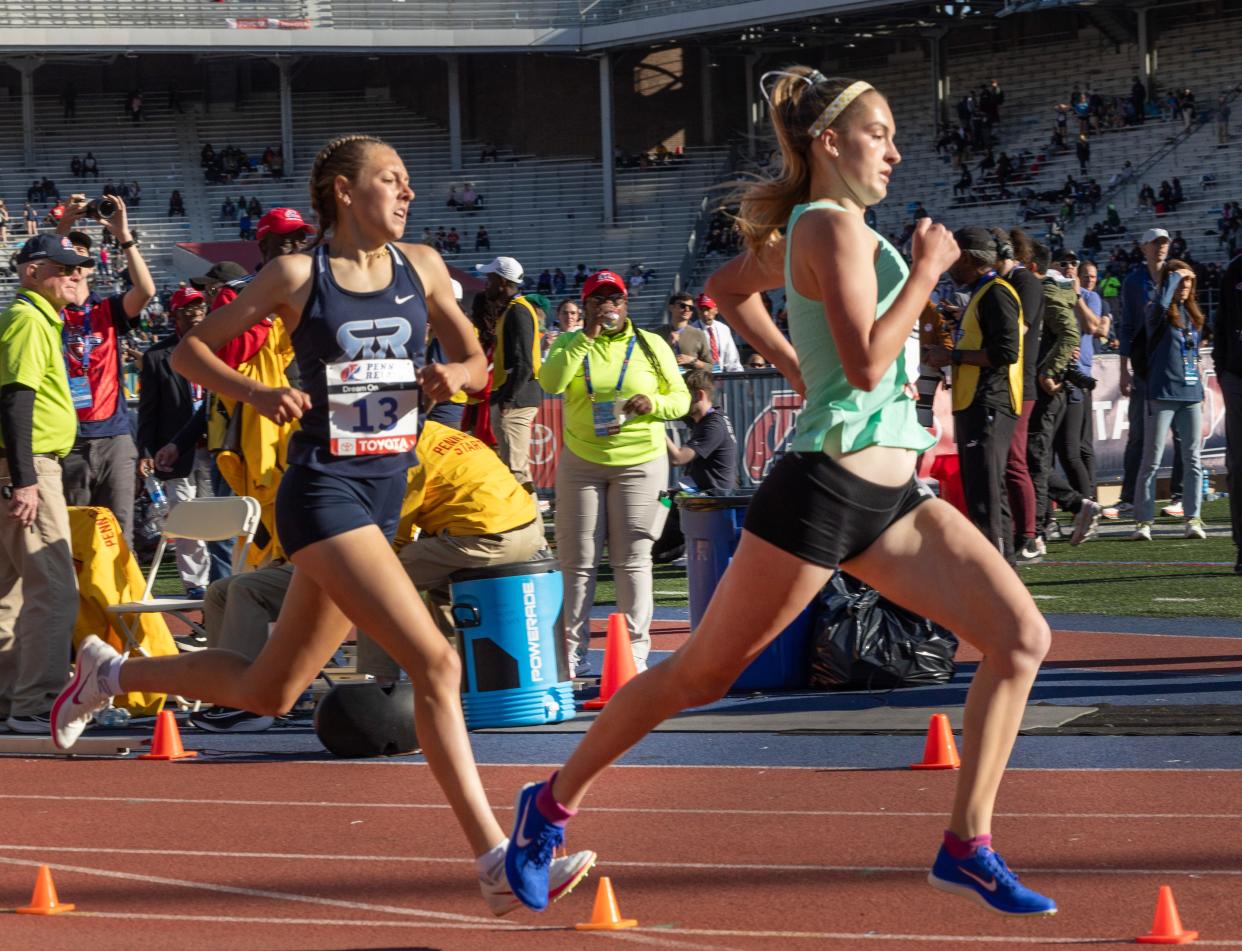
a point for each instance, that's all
(1135, 293)
(515, 366)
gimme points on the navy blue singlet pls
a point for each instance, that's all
(337, 325)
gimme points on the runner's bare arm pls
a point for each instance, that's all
(453, 329)
(280, 288)
(736, 287)
(834, 262)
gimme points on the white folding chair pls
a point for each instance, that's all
(207, 520)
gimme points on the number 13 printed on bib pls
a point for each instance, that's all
(372, 407)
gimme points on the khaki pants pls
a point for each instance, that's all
(512, 429)
(621, 504)
(38, 598)
(430, 560)
(238, 609)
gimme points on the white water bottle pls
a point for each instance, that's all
(155, 491)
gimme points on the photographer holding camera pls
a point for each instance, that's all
(1057, 341)
(100, 469)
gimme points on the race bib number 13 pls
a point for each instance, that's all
(372, 407)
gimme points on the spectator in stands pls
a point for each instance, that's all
(170, 425)
(75, 166)
(228, 211)
(1177, 246)
(559, 281)
(452, 242)
(245, 227)
(1174, 395)
(1136, 290)
(441, 239)
(134, 198)
(90, 166)
(453, 201)
(37, 580)
(276, 167)
(428, 238)
(580, 276)
(544, 283)
(471, 200)
(133, 105)
(689, 344)
(206, 155)
(482, 240)
(488, 151)
(1138, 99)
(32, 220)
(515, 395)
(69, 100)
(175, 204)
(1222, 119)
(1084, 153)
(254, 207)
(620, 384)
(100, 468)
(1178, 195)
(1146, 197)
(719, 337)
(962, 185)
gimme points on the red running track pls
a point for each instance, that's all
(365, 855)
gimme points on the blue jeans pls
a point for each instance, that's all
(1185, 419)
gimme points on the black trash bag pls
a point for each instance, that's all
(864, 641)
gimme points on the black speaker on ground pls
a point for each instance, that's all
(366, 719)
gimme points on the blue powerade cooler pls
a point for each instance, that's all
(712, 525)
(514, 668)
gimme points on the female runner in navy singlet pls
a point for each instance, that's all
(357, 309)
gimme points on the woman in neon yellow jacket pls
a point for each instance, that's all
(620, 384)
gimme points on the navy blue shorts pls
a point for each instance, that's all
(312, 505)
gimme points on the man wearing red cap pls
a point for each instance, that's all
(719, 337)
(170, 425)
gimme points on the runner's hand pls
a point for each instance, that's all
(933, 246)
(280, 404)
(441, 381)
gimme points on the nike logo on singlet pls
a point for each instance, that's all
(402, 300)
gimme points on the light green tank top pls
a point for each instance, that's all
(839, 418)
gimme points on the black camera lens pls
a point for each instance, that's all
(100, 208)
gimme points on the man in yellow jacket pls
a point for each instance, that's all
(469, 511)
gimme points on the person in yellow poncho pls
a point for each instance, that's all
(470, 512)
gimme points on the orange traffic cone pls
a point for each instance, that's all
(618, 662)
(939, 752)
(1166, 928)
(606, 916)
(166, 744)
(44, 900)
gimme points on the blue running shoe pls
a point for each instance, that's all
(530, 850)
(987, 879)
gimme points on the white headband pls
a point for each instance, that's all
(838, 106)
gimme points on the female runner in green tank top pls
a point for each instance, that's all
(845, 496)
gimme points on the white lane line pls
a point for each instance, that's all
(623, 810)
(433, 919)
(440, 860)
(650, 935)
(263, 893)
(926, 938)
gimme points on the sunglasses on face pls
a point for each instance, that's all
(684, 305)
(65, 270)
(615, 299)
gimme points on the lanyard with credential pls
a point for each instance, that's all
(88, 344)
(625, 365)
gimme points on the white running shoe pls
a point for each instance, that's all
(1194, 528)
(1173, 509)
(85, 695)
(1142, 533)
(1086, 521)
(563, 876)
